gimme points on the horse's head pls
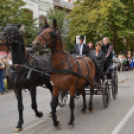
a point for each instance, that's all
(9, 34)
(47, 37)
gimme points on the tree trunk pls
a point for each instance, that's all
(114, 40)
(132, 48)
(126, 53)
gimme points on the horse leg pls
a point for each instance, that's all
(49, 86)
(84, 100)
(91, 98)
(34, 102)
(20, 109)
(53, 107)
(72, 106)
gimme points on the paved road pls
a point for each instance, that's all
(119, 117)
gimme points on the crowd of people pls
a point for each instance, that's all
(5, 63)
(128, 63)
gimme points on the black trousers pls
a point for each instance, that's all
(106, 66)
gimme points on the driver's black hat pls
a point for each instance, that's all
(81, 37)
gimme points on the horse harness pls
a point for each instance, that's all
(54, 35)
(52, 69)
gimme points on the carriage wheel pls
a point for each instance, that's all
(115, 85)
(62, 98)
(106, 94)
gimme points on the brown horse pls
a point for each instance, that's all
(62, 66)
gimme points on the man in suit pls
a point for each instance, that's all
(81, 48)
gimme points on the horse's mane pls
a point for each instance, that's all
(44, 27)
(61, 41)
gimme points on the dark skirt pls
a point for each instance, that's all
(98, 70)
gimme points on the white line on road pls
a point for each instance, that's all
(35, 124)
(123, 121)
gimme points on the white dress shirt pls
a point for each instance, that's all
(81, 49)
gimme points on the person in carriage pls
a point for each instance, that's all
(107, 49)
(98, 57)
(91, 46)
(81, 48)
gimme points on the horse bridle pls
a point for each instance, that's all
(54, 35)
(11, 40)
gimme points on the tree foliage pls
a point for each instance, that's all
(96, 19)
(62, 22)
(13, 12)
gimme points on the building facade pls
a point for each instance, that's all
(41, 7)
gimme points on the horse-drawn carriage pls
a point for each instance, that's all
(67, 73)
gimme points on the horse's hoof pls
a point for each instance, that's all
(17, 130)
(40, 114)
(91, 110)
(50, 115)
(83, 111)
(70, 126)
(58, 126)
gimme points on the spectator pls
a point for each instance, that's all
(132, 63)
(8, 62)
(2, 67)
(91, 46)
(127, 64)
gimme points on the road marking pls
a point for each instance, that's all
(123, 121)
(121, 81)
(35, 124)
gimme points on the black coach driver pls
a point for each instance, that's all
(81, 48)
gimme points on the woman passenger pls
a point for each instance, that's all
(98, 57)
